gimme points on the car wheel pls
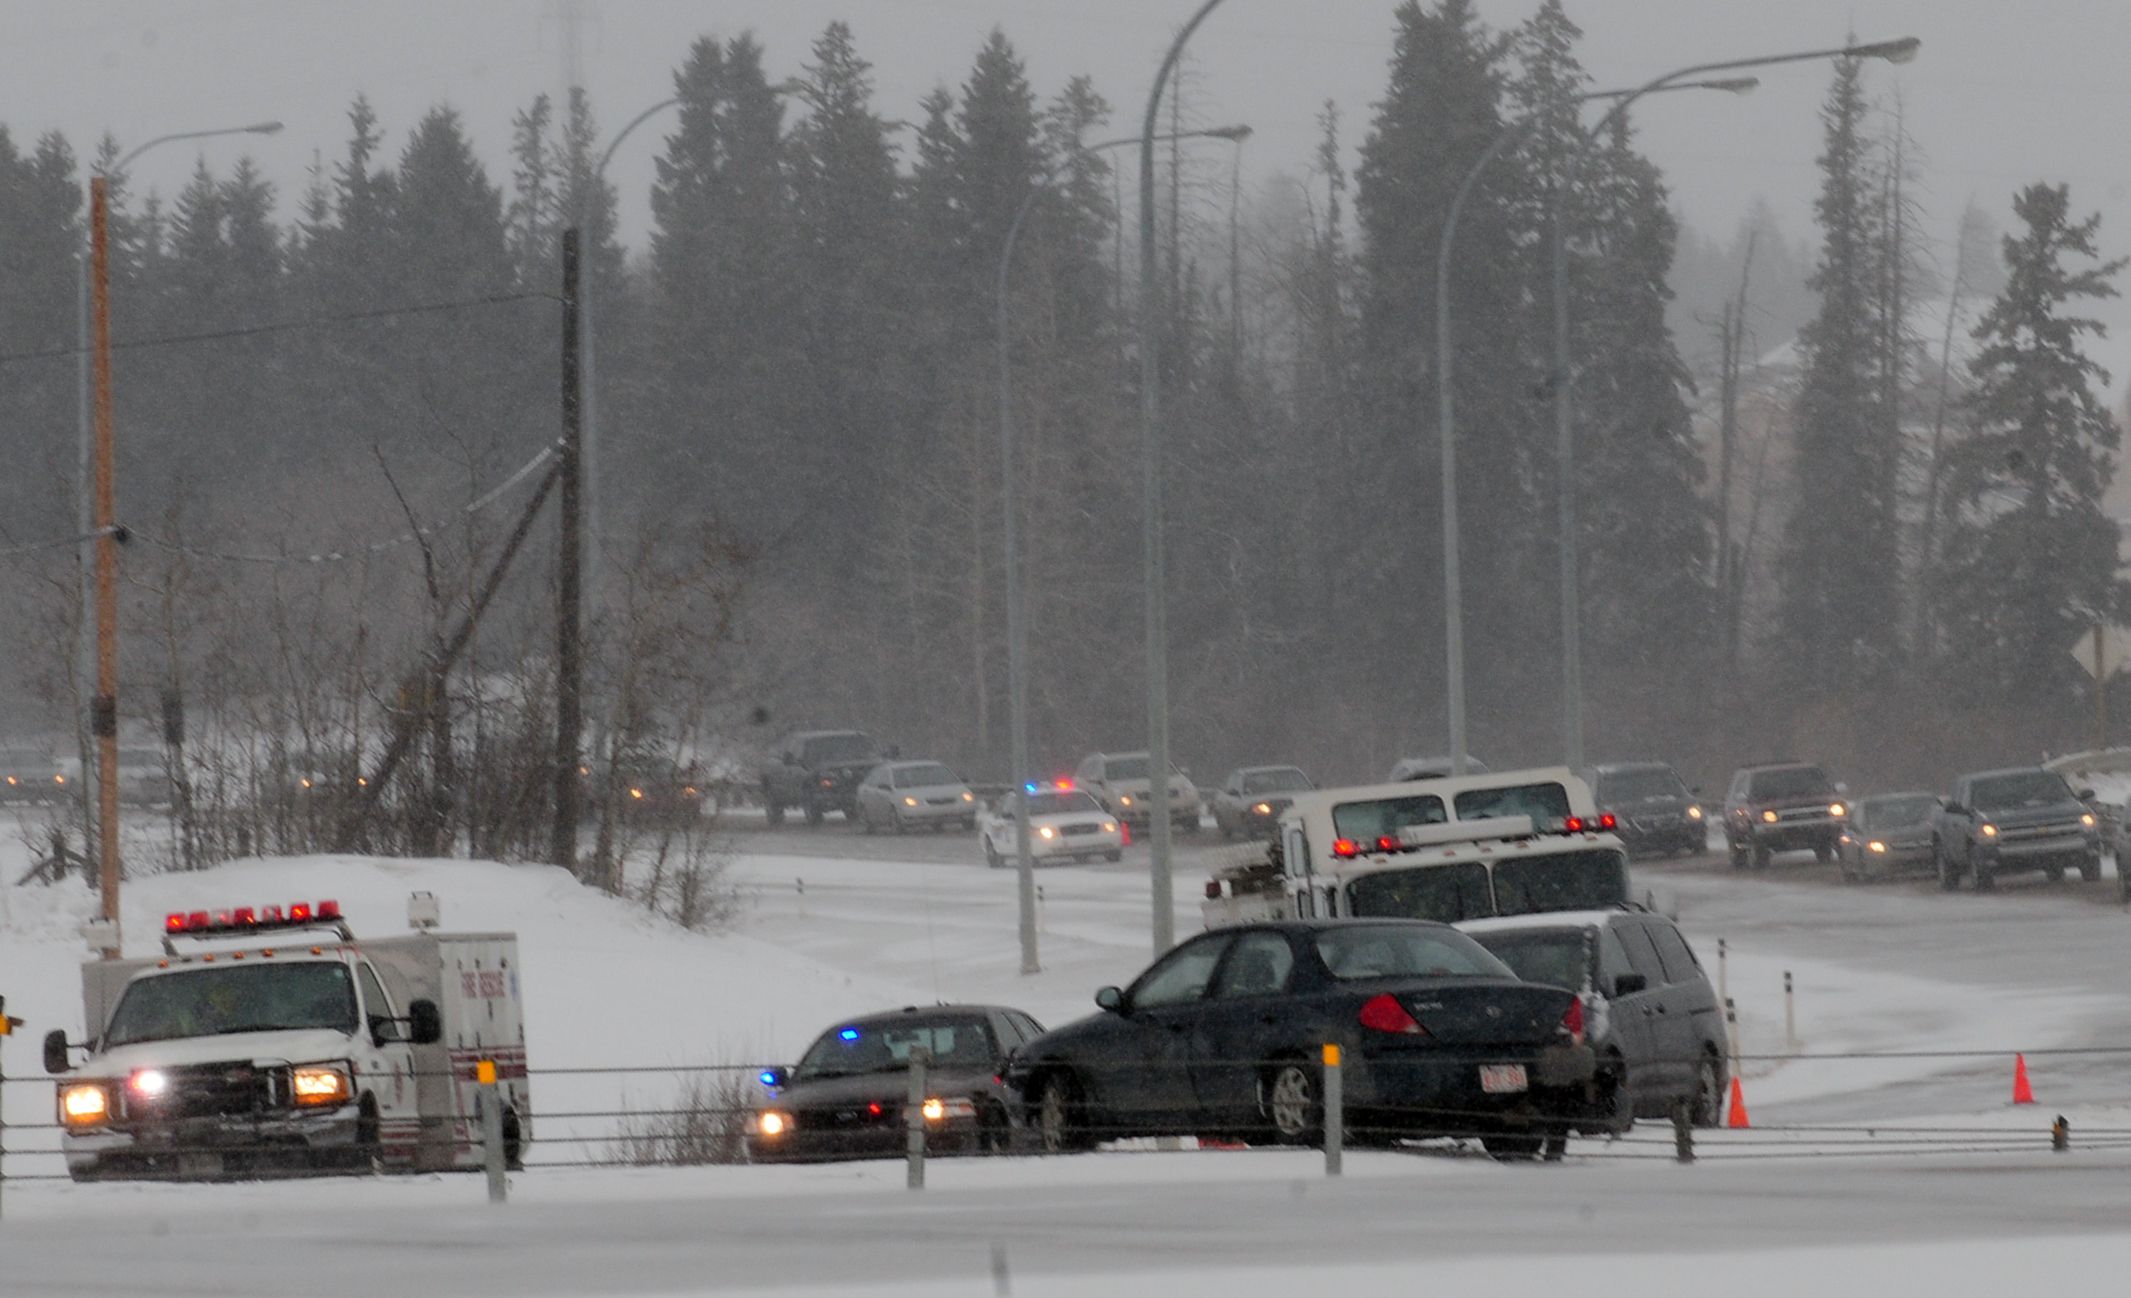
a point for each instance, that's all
(367, 1151)
(2053, 873)
(1949, 878)
(1761, 855)
(1823, 853)
(1738, 855)
(2090, 868)
(1850, 871)
(991, 854)
(1113, 855)
(895, 819)
(772, 809)
(1986, 878)
(1060, 1123)
(1708, 1092)
(1513, 1147)
(865, 819)
(1228, 831)
(1190, 826)
(1620, 1116)
(814, 811)
(1291, 1103)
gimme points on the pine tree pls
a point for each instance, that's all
(2030, 559)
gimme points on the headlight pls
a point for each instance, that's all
(1045, 831)
(84, 1104)
(1769, 816)
(769, 1122)
(909, 801)
(638, 794)
(1125, 798)
(1835, 808)
(318, 1085)
(967, 796)
(1263, 808)
(1694, 813)
(1990, 831)
(1109, 827)
(149, 1083)
(1876, 846)
(2087, 818)
(939, 1110)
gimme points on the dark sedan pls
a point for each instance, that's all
(1224, 1036)
(848, 1095)
(1887, 833)
(1252, 797)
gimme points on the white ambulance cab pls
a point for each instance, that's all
(1506, 843)
(269, 1040)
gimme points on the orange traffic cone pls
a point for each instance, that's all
(1738, 1116)
(2022, 1092)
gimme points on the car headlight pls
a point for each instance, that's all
(1109, 827)
(320, 1085)
(1694, 813)
(936, 1109)
(967, 796)
(1263, 808)
(1769, 816)
(1876, 846)
(84, 1104)
(1125, 798)
(1835, 808)
(1045, 831)
(909, 801)
(2087, 818)
(1990, 831)
(771, 1123)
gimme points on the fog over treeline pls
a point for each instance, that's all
(798, 469)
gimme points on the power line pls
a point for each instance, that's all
(286, 326)
(478, 503)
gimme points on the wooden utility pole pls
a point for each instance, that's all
(569, 600)
(103, 712)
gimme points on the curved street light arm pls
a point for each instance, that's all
(257, 128)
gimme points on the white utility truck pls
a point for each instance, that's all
(270, 1040)
(1506, 843)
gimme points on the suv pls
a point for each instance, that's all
(1431, 768)
(1652, 805)
(817, 771)
(1780, 806)
(2023, 818)
(1121, 783)
(1649, 1010)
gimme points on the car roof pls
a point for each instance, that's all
(1320, 925)
(827, 734)
(2006, 770)
(924, 1011)
(1272, 766)
(1777, 766)
(1617, 768)
(1549, 919)
(1891, 797)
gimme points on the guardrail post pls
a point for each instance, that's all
(1335, 1111)
(1723, 972)
(1683, 1131)
(491, 1129)
(1790, 1014)
(914, 1118)
(2060, 1134)
(1731, 1031)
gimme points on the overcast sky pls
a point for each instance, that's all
(2002, 93)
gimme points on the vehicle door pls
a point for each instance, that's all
(1247, 1015)
(384, 1058)
(1143, 1073)
(1956, 824)
(876, 794)
(1690, 1013)
(1627, 1019)
(999, 822)
(1228, 803)
(1665, 1067)
(1738, 817)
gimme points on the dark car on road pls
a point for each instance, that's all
(1887, 833)
(1653, 809)
(1252, 797)
(816, 772)
(1224, 1037)
(1649, 1010)
(2004, 822)
(1781, 807)
(848, 1095)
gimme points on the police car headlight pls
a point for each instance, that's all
(84, 1104)
(771, 1123)
(320, 1085)
(939, 1110)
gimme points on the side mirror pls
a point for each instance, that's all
(1952, 808)
(776, 1078)
(1110, 999)
(1628, 984)
(55, 1051)
(1695, 789)
(1842, 786)
(426, 1026)
(2086, 795)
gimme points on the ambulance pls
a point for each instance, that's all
(270, 1040)
(1467, 847)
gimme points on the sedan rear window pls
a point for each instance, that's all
(1395, 951)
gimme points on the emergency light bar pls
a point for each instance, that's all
(248, 919)
(1491, 829)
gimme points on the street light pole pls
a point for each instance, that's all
(1896, 51)
(1016, 615)
(96, 654)
(1150, 324)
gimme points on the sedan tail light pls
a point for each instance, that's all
(1572, 1019)
(1384, 1014)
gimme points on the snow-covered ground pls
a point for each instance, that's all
(822, 937)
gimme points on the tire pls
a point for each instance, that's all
(1113, 855)
(1620, 1120)
(1738, 855)
(366, 1153)
(1061, 1124)
(814, 812)
(2053, 873)
(1850, 873)
(1708, 1101)
(1291, 1103)
(772, 809)
(513, 1142)
(1823, 853)
(865, 820)
(1986, 878)
(2090, 868)
(1949, 878)
(895, 821)
(1189, 827)
(991, 855)
(1513, 1147)
(1762, 855)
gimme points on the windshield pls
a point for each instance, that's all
(1365, 822)
(1440, 892)
(885, 1047)
(254, 998)
(1544, 803)
(932, 775)
(1896, 813)
(2021, 789)
(1281, 781)
(1640, 783)
(1396, 951)
(839, 748)
(1044, 804)
(1792, 782)
(1587, 880)
(1556, 956)
(1125, 768)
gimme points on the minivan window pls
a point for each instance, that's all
(1642, 954)
(1672, 949)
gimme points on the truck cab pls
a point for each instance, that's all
(269, 1040)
